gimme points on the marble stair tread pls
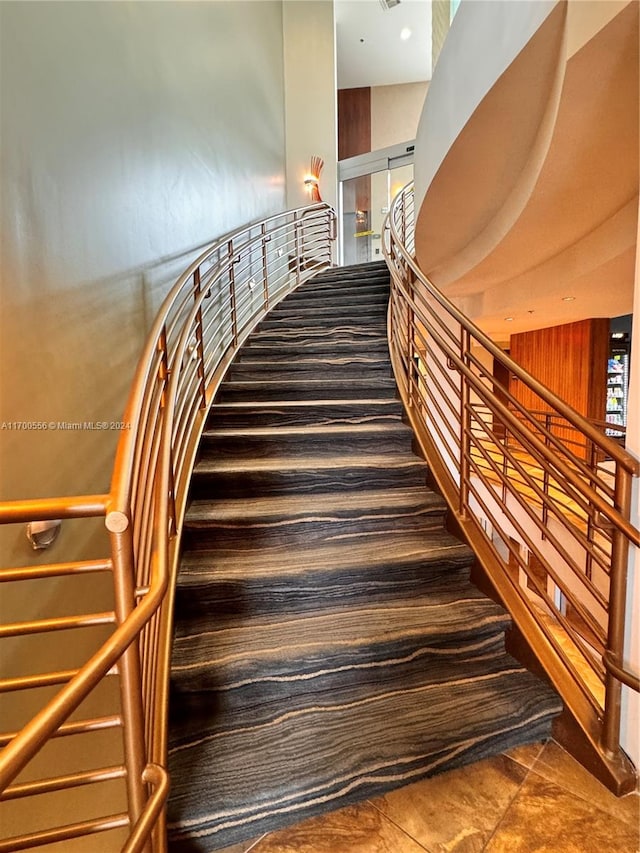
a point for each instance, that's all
(301, 412)
(348, 332)
(261, 510)
(344, 753)
(312, 349)
(369, 554)
(312, 368)
(306, 389)
(403, 664)
(301, 520)
(238, 578)
(242, 442)
(292, 645)
(374, 460)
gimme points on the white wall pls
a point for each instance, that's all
(310, 97)
(465, 71)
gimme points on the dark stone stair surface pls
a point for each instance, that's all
(329, 645)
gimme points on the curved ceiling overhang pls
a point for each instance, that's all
(548, 160)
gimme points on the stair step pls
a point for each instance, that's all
(329, 323)
(305, 646)
(351, 298)
(345, 748)
(306, 389)
(300, 412)
(341, 366)
(232, 582)
(266, 521)
(264, 442)
(350, 333)
(281, 475)
(279, 351)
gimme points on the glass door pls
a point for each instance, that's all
(368, 185)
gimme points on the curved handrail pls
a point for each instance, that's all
(571, 516)
(202, 321)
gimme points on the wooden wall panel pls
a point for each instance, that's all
(571, 360)
(354, 122)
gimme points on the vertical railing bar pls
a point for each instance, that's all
(297, 245)
(265, 272)
(133, 729)
(232, 294)
(164, 373)
(617, 606)
(465, 425)
(199, 343)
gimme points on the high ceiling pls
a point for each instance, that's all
(380, 46)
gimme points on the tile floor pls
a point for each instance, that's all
(533, 799)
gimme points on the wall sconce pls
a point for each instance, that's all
(312, 180)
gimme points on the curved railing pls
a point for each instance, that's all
(204, 319)
(543, 500)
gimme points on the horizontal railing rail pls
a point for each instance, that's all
(543, 493)
(203, 320)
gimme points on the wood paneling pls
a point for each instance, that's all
(354, 122)
(571, 360)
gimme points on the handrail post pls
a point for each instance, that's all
(265, 269)
(465, 425)
(120, 529)
(199, 340)
(232, 293)
(617, 602)
(297, 244)
(164, 373)
(411, 334)
(545, 479)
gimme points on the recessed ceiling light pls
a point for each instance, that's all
(568, 298)
(508, 319)
(405, 33)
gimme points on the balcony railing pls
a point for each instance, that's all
(543, 496)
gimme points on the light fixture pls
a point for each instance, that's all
(405, 33)
(312, 179)
(568, 298)
(508, 319)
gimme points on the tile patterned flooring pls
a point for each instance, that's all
(533, 799)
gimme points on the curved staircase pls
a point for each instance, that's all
(329, 645)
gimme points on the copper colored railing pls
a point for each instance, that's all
(543, 499)
(202, 322)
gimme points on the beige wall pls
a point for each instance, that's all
(131, 134)
(395, 113)
(310, 96)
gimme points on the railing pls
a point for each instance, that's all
(544, 499)
(202, 322)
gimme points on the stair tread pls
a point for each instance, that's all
(296, 506)
(200, 645)
(344, 753)
(310, 430)
(208, 465)
(356, 401)
(369, 550)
